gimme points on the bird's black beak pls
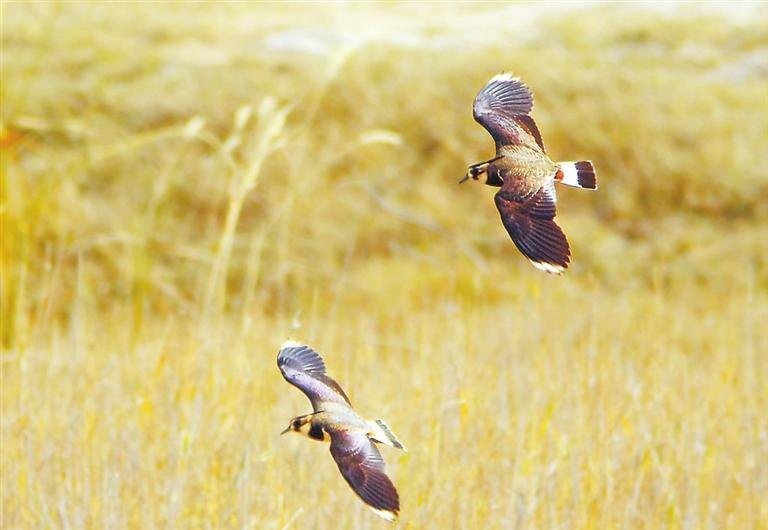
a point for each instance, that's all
(286, 430)
(463, 180)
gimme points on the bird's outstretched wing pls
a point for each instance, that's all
(304, 368)
(530, 223)
(362, 466)
(503, 107)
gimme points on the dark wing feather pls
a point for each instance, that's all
(504, 94)
(530, 223)
(300, 357)
(503, 107)
(304, 368)
(527, 123)
(362, 466)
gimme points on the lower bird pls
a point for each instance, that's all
(525, 173)
(353, 438)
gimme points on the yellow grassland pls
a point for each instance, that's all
(184, 186)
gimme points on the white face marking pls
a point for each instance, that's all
(304, 429)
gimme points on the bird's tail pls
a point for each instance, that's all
(380, 432)
(577, 174)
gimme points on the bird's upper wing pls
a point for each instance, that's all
(503, 107)
(362, 466)
(304, 368)
(529, 220)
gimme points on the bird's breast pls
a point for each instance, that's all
(317, 432)
(526, 168)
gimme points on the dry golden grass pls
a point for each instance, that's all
(180, 193)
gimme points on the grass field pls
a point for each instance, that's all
(186, 186)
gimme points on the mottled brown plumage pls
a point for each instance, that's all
(526, 175)
(352, 437)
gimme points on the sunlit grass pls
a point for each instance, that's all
(181, 195)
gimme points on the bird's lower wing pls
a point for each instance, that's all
(362, 466)
(530, 223)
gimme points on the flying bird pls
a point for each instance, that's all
(526, 175)
(353, 438)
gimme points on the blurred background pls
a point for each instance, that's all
(184, 186)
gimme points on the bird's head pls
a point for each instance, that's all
(300, 424)
(473, 172)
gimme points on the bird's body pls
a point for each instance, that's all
(525, 168)
(351, 436)
(525, 173)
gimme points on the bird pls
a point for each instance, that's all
(525, 173)
(353, 438)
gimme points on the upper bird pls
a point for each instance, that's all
(352, 437)
(525, 173)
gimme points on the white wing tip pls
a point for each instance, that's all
(551, 268)
(290, 343)
(385, 514)
(503, 77)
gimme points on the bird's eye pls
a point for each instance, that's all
(296, 425)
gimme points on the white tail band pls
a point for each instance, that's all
(570, 174)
